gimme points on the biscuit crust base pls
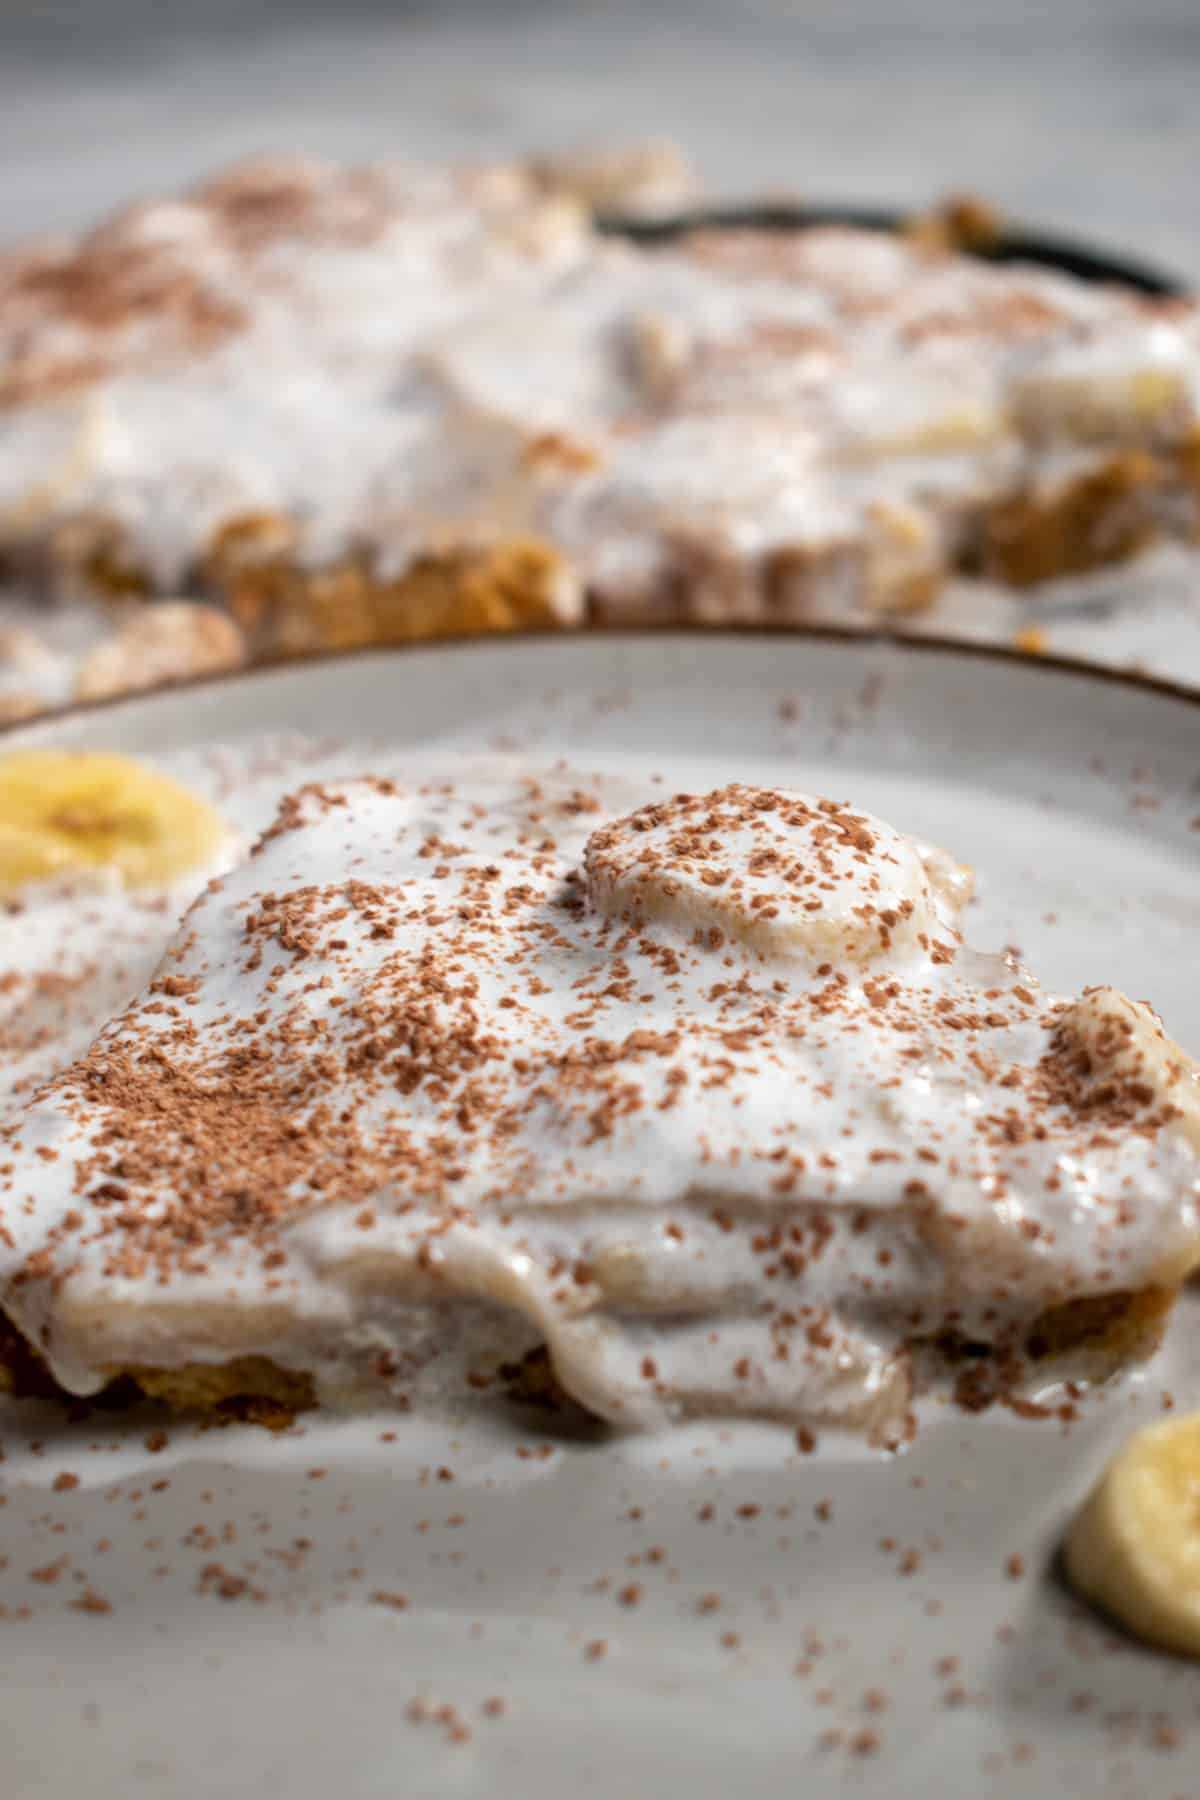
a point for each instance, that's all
(286, 608)
(278, 606)
(1107, 1331)
(248, 1388)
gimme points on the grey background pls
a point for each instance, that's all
(1080, 114)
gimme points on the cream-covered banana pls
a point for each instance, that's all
(63, 812)
(1087, 394)
(781, 871)
(1134, 1549)
(1124, 1050)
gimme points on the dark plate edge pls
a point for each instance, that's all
(1015, 244)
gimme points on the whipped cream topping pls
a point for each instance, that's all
(77, 949)
(708, 1094)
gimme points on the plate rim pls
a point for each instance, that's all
(1014, 241)
(424, 1661)
(1042, 663)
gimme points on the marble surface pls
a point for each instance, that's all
(1076, 115)
(1079, 114)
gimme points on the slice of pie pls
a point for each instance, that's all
(705, 1098)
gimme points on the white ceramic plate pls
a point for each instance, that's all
(708, 1614)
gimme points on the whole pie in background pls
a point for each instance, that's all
(317, 407)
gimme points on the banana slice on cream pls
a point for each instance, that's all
(1124, 1055)
(1134, 1549)
(784, 872)
(65, 812)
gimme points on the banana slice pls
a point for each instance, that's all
(1090, 398)
(780, 871)
(1134, 1550)
(930, 425)
(67, 811)
(1122, 1042)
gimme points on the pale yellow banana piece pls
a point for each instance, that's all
(66, 811)
(806, 886)
(1071, 398)
(1134, 1550)
(1124, 1040)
